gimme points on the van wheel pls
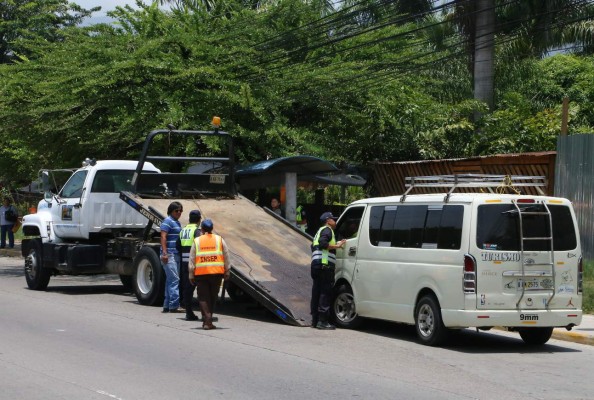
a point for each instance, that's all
(535, 336)
(148, 279)
(428, 323)
(343, 308)
(36, 275)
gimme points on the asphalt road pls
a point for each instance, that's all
(87, 338)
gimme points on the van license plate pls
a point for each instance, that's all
(535, 284)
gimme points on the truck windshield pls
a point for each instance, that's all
(498, 228)
(73, 188)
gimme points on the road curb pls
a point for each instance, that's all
(575, 337)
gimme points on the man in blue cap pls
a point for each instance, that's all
(323, 260)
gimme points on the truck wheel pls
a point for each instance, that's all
(37, 277)
(237, 294)
(343, 308)
(428, 323)
(148, 279)
(535, 336)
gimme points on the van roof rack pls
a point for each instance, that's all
(493, 183)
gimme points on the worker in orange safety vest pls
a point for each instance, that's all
(209, 264)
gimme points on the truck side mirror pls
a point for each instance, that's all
(45, 183)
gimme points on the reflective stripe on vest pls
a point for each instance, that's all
(323, 254)
(209, 255)
(186, 238)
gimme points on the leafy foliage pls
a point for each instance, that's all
(360, 87)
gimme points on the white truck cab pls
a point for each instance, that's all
(74, 231)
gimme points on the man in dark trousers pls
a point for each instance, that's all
(209, 264)
(186, 238)
(323, 260)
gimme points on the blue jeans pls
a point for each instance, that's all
(7, 229)
(171, 281)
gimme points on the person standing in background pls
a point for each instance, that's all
(275, 207)
(301, 218)
(170, 257)
(8, 216)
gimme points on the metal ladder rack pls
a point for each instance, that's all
(492, 183)
(549, 239)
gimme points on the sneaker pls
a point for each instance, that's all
(325, 326)
(165, 310)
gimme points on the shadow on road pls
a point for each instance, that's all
(464, 340)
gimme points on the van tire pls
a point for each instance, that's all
(343, 308)
(149, 278)
(535, 336)
(36, 275)
(428, 323)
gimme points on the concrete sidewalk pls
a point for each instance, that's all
(584, 333)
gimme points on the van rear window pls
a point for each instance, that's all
(418, 226)
(498, 227)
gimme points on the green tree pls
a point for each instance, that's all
(25, 20)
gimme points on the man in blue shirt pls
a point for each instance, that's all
(170, 257)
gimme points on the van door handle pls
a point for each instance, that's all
(352, 251)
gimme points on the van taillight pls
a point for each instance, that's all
(469, 280)
(525, 201)
(580, 275)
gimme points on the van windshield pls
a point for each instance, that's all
(498, 228)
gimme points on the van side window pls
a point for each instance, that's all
(409, 227)
(348, 226)
(416, 226)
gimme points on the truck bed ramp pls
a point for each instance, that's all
(270, 261)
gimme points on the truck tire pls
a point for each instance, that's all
(237, 294)
(428, 323)
(37, 277)
(343, 308)
(148, 279)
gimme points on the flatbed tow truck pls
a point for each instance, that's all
(269, 257)
(86, 229)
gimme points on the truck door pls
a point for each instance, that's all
(67, 211)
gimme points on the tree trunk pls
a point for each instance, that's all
(484, 53)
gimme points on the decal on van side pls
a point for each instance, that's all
(485, 256)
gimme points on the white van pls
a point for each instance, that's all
(456, 260)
